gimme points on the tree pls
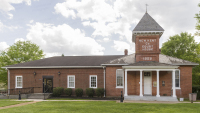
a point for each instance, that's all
(197, 16)
(19, 52)
(183, 46)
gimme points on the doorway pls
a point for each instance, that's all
(47, 84)
(147, 83)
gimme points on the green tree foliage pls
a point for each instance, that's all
(183, 46)
(19, 52)
(197, 16)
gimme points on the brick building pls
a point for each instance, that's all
(144, 75)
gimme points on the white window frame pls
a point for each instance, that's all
(90, 81)
(175, 80)
(122, 79)
(16, 82)
(68, 81)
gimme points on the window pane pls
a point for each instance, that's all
(93, 81)
(177, 77)
(71, 81)
(119, 76)
(19, 82)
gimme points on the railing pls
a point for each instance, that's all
(4, 92)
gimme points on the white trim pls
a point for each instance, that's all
(179, 79)
(16, 81)
(125, 85)
(114, 64)
(184, 64)
(56, 67)
(122, 79)
(90, 81)
(141, 94)
(68, 81)
(174, 90)
(150, 67)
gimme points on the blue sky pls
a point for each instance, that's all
(89, 27)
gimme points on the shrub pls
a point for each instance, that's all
(68, 91)
(57, 91)
(90, 92)
(100, 92)
(79, 92)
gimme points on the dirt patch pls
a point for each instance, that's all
(16, 105)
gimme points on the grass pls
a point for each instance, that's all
(187, 100)
(102, 106)
(7, 102)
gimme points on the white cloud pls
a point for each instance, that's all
(19, 39)
(63, 39)
(6, 6)
(121, 16)
(31, 21)
(106, 39)
(3, 46)
(121, 46)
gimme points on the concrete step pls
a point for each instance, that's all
(151, 98)
(39, 96)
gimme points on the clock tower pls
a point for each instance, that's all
(146, 36)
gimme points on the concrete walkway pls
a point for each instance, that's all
(16, 105)
(117, 101)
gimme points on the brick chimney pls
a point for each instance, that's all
(126, 52)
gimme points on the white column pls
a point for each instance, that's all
(125, 85)
(141, 83)
(158, 89)
(174, 90)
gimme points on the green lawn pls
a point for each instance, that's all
(102, 106)
(67, 99)
(7, 102)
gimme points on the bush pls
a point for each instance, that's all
(100, 92)
(90, 92)
(79, 92)
(57, 91)
(68, 91)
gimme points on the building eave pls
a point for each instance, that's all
(150, 67)
(32, 67)
(114, 64)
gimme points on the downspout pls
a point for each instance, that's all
(104, 72)
(8, 81)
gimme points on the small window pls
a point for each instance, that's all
(71, 81)
(119, 78)
(93, 81)
(18, 82)
(177, 79)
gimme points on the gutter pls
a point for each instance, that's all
(54, 67)
(104, 73)
(114, 64)
(150, 67)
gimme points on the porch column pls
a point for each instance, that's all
(158, 89)
(125, 92)
(141, 83)
(174, 90)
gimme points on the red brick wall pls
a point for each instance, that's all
(81, 77)
(141, 55)
(111, 89)
(185, 81)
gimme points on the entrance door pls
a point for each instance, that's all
(47, 84)
(147, 83)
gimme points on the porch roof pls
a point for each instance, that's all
(164, 60)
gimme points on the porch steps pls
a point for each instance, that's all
(151, 98)
(39, 96)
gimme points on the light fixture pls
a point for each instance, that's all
(59, 73)
(34, 73)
